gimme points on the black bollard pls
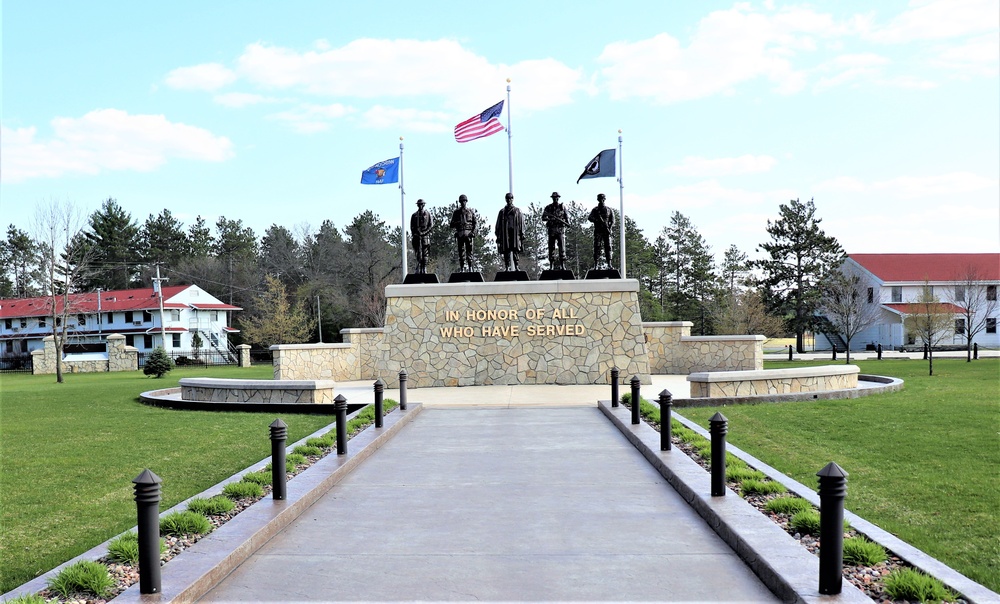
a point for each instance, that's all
(614, 386)
(666, 402)
(975, 351)
(379, 412)
(718, 427)
(340, 406)
(834, 352)
(147, 505)
(880, 352)
(789, 352)
(279, 479)
(402, 389)
(832, 491)
(634, 382)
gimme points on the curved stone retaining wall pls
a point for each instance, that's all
(773, 381)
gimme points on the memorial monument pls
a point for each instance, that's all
(421, 223)
(464, 223)
(510, 240)
(603, 218)
(556, 220)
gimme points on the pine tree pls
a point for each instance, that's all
(113, 242)
(158, 363)
(801, 256)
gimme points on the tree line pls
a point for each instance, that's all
(339, 275)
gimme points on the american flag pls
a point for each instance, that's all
(480, 125)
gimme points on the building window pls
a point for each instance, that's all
(111, 318)
(81, 319)
(959, 293)
(176, 340)
(991, 292)
(147, 342)
(897, 293)
(147, 316)
(8, 323)
(128, 316)
(175, 315)
(959, 327)
(10, 346)
(871, 295)
(24, 323)
(41, 322)
(130, 340)
(214, 315)
(58, 321)
(215, 339)
(991, 325)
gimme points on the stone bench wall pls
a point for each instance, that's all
(353, 360)
(257, 391)
(773, 381)
(674, 351)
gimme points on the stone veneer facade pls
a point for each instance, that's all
(119, 358)
(773, 381)
(674, 351)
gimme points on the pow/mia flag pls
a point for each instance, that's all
(602, 165)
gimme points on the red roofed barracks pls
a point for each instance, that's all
(133, 313)
(898, 280)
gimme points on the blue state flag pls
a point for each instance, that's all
(382, 173)
(602, 165)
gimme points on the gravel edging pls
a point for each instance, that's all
(972, 592)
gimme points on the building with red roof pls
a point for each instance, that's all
(896, 282)
(137, 314)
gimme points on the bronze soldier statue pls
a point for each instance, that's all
(604, 220)
(510, 233)
(463, 220)
(556, 219)
(420, 229)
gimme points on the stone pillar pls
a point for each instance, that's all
(43, 361)
(244, 355)
(120, 356)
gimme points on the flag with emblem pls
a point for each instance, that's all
(602, 165)
(480, 125)
(382, 173)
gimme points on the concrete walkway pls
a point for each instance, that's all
(502, 504)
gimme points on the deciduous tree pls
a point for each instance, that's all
(274, 320)
(978, 300)
(845, 303)
(930, 321)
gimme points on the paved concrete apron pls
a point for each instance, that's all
(498, 504)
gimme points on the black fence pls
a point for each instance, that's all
(15, 363)
(186, 359)
(261, 356)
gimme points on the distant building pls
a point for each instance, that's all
(897, 282)
(134, 313)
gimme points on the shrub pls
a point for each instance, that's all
(240, 490)
(158, 363)
(324, 442)
(860, 551)
(306, 450)
(125, 548)
(184, 523)
(260, 477)
(212, 506)
(296, 459)
(740, 473)
(908, 584)
(806, 521)
(84, 576)
(787, 505)
(761, 487)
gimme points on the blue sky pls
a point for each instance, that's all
(887, 113)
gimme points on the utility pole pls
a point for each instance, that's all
(319, 316)
(159, 291)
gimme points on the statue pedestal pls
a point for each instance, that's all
(603, 273)
(511, 276)
(557, 275)
(420, 278)
(514, 332)
(476, 277)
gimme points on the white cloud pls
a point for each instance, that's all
(911, 187)
(106, 139)
(207, 76)
(939, 19)
(308, 118)
(382, 118)
(850, 68)
(370, 68)
(244, 99)
(978, 56)
(723, 166)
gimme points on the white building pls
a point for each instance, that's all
(134, 313)
(897, 281)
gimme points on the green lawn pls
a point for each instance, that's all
(68, 454)
(924, 463)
